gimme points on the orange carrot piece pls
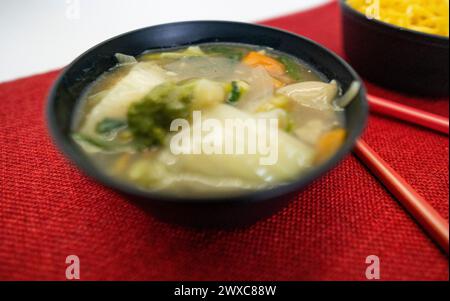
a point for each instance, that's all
(329, 144)
(274, 67)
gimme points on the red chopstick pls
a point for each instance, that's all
(410, 114)
(436, 226)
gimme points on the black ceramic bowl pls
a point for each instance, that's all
(234, 210)
(395, 57)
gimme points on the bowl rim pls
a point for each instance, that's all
(410, 32)
(82, 162)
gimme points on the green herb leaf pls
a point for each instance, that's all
(108, 125)
(92, 141)
(235, 92)
(149, 120)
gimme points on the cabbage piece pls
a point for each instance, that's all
(313, 94)
(114, 104)
(214, 68)
(260, 87)
(207, 93)
(238, 170)
(191, 51)
(279, 114)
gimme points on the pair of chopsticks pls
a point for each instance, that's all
(432, 222)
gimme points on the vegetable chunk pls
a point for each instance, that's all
(140, 80)
(149, 120)
(274, 67)
(329, 144)
(316, 95)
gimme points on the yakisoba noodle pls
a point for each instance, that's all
(429, 16)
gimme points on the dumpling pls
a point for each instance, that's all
(140, 80)
(316, 95)
(292, 156)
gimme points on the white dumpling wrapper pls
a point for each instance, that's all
(293, 155)
(139, 81)
(312, 94)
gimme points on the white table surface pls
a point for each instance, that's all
(41, 35)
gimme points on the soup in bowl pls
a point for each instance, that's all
(207, 112)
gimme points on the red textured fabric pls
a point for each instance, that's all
(49, 210)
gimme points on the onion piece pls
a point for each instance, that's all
(313, 94)
(124, 59)
(347, 98)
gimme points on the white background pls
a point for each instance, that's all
(40, 35)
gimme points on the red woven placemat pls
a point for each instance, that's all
(49, 210)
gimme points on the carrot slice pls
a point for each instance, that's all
(329, 144)
(274, 67)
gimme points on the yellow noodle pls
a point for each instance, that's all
(429, 16)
